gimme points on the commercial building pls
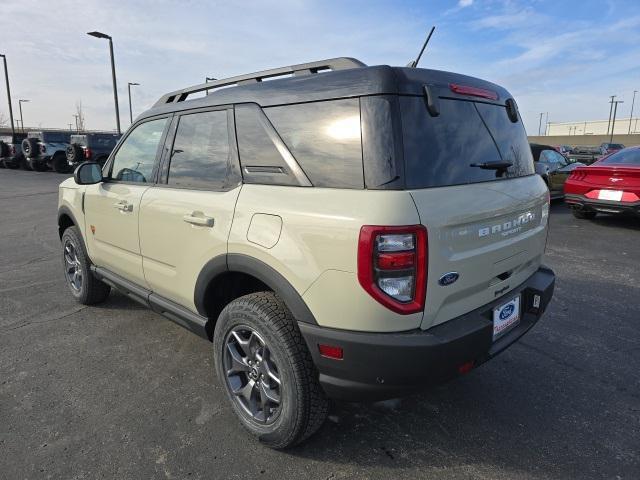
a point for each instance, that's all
(594, 127)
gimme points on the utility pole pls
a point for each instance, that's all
(613, 124)
(610, 112)
(77, 127)
(6, 77)
(632, 104)
(70, 125)
(540, 123)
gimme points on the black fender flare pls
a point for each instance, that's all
(235, 262)
(64, 210)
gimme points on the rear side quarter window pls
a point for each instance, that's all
(325, 139)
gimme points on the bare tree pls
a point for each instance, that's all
(80, 115)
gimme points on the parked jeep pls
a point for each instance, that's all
(46, 149)
(90, 147)
(11, 151)
(344, 232)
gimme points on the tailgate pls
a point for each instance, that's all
(491, 234)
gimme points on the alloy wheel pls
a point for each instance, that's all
(73, 268)
(252, 375)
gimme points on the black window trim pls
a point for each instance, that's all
(165, 161)
(161, 144)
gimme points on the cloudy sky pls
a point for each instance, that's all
(564, 57)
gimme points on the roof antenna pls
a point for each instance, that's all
(414, 63)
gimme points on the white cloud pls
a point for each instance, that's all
(465, 3)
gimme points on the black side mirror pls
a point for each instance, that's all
(88, 173)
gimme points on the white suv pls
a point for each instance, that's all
(345, 232)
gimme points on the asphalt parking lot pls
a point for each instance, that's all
(117, 391)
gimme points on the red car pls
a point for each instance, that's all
(610, 185)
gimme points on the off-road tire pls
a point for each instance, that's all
(59, 163)
(24, 163)
(74, 153)
(582, 215)
(36, 166)
(30, 147)
(304, 405)
(92, 290)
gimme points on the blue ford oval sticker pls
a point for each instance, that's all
(507, 311)
(448, 278)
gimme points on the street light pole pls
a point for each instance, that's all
(20, 102)
(130, 109)
(546, 124)
(207, 80)
(113, 74)
(613, 124)
(610, 111)
(6, 77)
(540, 124)
(632, 104)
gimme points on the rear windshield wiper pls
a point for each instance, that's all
(492, 165)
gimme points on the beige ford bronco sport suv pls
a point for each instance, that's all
(343, 231)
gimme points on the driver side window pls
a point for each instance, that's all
(134, 160)
(552, 157)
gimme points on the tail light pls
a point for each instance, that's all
(13, 150)
(473, 91)
(43, 149)
(87, 153)
(392, 266)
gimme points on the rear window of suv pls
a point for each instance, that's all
(439, 150)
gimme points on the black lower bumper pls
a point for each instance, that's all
(585, 204)
(376, 366)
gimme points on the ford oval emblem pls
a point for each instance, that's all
(448, 278)
(507, 311)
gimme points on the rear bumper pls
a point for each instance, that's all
(580, 202)
(377, 366)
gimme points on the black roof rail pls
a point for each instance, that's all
(340, 63)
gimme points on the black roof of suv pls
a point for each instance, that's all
(416, 128)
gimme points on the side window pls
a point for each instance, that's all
(553, 157)
(263, 155)
(325, 139)
(201, 154)
(134, 160)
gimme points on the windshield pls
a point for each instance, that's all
(623, 157)
(440, 150)
(615, 146)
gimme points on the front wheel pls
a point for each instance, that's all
(86, 288)
(269, 377)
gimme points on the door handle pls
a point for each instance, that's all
(198, 218)
(123, 206)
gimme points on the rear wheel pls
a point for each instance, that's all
(86, 288)
(36, 166)
(59, 163)
(582, 215)
(24, 163)
(267, 371)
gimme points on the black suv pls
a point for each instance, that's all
(45, 149)
(11, 152)
(91, 147)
